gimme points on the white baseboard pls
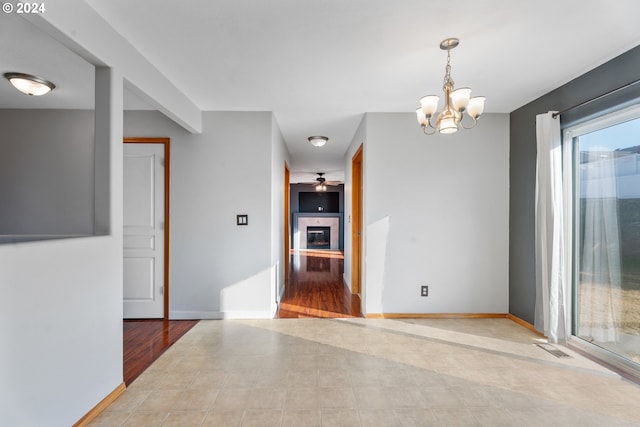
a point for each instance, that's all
(194, 315)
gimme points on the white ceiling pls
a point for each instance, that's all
(319, 65)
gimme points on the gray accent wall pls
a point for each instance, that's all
(46, 173)
(611, 75)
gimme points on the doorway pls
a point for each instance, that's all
(356, 222)
(287, 224)
(146, 228)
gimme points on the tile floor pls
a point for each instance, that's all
(366, 372)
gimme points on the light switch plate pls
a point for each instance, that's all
(242, 219)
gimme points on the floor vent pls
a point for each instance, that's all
(551, 349)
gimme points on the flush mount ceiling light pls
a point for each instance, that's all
(456, 102)
(318, 141)
(30, 85)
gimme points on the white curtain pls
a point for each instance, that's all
(551, 305)
(600, 268)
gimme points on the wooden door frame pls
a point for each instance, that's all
(287, 225)
(166, 142)
(356, 221)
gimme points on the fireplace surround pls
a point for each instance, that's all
(303, 221)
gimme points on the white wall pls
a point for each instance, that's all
(46, 172)
(219, 269)
(61, 305)
(440, 203)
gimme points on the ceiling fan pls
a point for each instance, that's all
(321, 183)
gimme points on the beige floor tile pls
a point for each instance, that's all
(223, 418)
(195, 400)
(145, 419)
(378, 418)
(273, 379)
(231, 399)
(159, 400)
(305, 378)
(262, 418)
(412, 417)
(177, 380)
(337, 397)
(209, 380)
(334, 378)
(372, 398)
(339, 418)
(366, 378)
(148, 380)
(110, 419)
(404, 397)
(128, 401)
(240, 379)
(494, 417)
(440, 397)
(304, 398)
(308, 418)
(454, 417)
(183, 419)
(331, 361)
(267, 398)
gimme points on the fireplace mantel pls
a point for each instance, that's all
(302, 220)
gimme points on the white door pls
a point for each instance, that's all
(143, 231)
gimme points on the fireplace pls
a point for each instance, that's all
(318, 237)
(317, 222)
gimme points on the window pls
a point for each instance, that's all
(606, 235)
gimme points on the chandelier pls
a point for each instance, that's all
(456, 102)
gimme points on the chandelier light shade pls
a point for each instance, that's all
(318, 141)
(457, 103)
(30, 85)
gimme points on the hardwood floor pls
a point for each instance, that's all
(146, 340)
(316, 287)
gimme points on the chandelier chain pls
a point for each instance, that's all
(448, 81)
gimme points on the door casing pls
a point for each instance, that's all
(356, 222)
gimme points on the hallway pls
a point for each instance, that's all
(316, 287)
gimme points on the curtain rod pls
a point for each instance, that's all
(595, 98)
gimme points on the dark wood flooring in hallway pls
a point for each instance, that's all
(145, 340)
(316, 287)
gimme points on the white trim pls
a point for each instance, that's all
(570, 271)
(194, 315)
(604, 121)
(618, 362)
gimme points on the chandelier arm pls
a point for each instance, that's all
(475, 122)
(429, 126)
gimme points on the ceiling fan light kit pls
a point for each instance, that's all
(30, 85)
(318, 141)
(456, 102)
(321, 183)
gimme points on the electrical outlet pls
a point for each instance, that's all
(424, 291)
